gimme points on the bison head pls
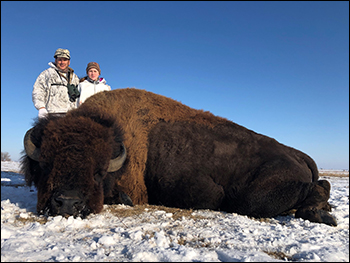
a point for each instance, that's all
(67, 159)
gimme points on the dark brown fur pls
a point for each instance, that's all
(189, 158)
(230, 168)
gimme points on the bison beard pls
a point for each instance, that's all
(175, 156)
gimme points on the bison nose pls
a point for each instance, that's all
(67, 203)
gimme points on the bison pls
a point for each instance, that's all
(130, 146)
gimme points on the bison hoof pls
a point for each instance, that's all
(327, 218)
(125, 199)
(316, 215)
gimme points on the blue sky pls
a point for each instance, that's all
(278, 68)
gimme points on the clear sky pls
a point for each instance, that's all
(278, 68)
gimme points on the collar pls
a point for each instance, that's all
(93, 81)
(98, 81)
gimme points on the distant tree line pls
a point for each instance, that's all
(5, 156)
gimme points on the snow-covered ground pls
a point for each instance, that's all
(149, 233)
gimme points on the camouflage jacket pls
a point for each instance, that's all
(50, 90)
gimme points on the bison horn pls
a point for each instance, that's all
(31, 150)
(116, 164)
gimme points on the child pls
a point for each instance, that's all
(91, 84)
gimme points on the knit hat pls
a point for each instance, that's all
(62, 53)
(94, 65)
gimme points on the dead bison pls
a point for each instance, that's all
(132, 146)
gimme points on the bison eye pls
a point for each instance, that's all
(46, 168)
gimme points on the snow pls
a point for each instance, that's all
(150, 233)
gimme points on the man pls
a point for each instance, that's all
(54, 91)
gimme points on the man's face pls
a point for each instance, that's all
(62, 63)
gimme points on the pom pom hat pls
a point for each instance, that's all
(94, 65)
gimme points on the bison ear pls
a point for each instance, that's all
(31, 170)
(32, 142)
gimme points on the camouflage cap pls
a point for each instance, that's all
(62, 53)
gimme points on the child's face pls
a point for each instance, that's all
(93, 74)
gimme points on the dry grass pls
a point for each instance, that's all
(118, 211)
(334, 174)
(278, 255)
(123, 212)
(30, 219)
(137, 210)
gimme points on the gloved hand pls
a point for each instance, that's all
(42, 113)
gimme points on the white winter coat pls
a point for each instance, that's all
(89, 87)
(50, 91)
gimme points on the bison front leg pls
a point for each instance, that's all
(112, 193)
(315, 206)
(131, 180)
